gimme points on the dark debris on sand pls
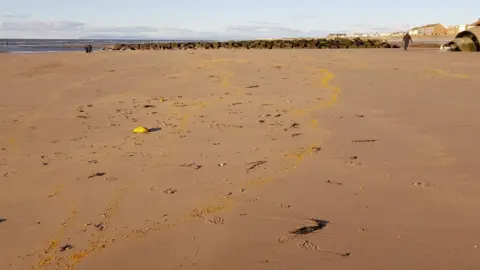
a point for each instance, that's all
(320, 224)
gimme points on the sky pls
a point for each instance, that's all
(223, 19)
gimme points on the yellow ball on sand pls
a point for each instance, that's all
(140, 130)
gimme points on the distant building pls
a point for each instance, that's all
(439, 30)
(414, 31)
(436, 29)
(397, 34)
(333, 36)
(455, 29)
(477, 23)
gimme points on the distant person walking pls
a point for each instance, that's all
(406, 41)
(88, 48)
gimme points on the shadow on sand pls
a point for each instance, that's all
(154, 129)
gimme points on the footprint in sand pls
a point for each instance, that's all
(421, 185)
(169, 191)
(216, 221)
(284, 239)
(308, 246)
(353, 161)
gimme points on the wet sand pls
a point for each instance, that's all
(378, 146)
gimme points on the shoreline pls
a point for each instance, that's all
(77, 45)
(413, 46)
(52, 50)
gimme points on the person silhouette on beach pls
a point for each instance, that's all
(88, 48)
(406, 41)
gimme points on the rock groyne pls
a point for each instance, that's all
(257, 44)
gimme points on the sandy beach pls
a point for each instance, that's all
(264, 159)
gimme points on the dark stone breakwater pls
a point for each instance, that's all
(257, 44)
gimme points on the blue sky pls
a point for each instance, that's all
(222, 18)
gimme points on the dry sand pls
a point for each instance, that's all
(247, 146)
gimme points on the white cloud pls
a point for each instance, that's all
(265, 23)
(16, 16)
(40, 26)
(121, 29)
(69, 29)
(65, 29)
(299, 16)
(256, 29)
(270, 30)
(364, 27)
